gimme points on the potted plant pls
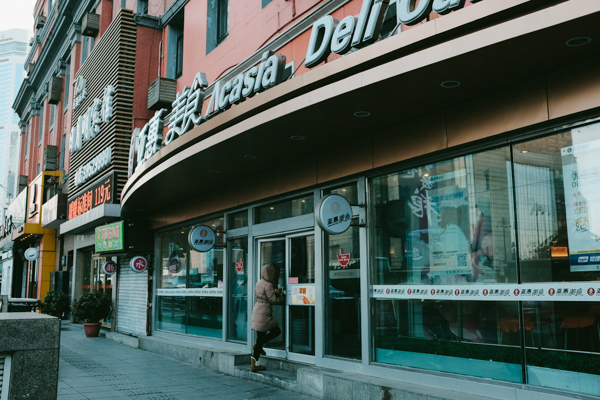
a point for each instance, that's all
(56, 303)
(90, 308)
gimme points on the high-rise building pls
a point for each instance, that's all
(13, 51)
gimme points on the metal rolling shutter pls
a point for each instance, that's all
(4, 376)
(131, 300)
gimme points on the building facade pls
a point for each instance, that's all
(76, 109)
(462, 137)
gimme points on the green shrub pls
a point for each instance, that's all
(92, 307)
(56, 303)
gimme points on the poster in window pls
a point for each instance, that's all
(448, 229)
(581, 177)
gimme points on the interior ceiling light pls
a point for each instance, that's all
(297, 137)
(250, 156)
(362, 114)
(578, 41)
(524, 151)
(450, 84)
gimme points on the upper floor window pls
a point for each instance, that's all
(142, 6)
(265, 2)
(41, 126)
(217, 26)
(67, 84)
(84, 48)
(62, 152)
(52, 110)
(175, 47)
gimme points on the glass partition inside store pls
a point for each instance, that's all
(487, 264)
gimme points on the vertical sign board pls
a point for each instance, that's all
(110, 237)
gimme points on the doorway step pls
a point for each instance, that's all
(389, 383)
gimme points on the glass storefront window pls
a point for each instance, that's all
(237, 220)
(558, 206)
(342, 286)
(558, 218)
(446, 223)
(171, 313)
(285, 209)
(463, 337)
(237, 290)
(183, 267)
(174, 258)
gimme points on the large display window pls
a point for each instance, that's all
(489, 264)
(190, 287)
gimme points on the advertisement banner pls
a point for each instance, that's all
(581, 177)
(558, 291)
(110, 237)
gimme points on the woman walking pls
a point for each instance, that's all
(263, 323)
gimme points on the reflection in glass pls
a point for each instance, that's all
(302, 330)
(302, 259)
(205, 316)
(171, 313)
(285, 209)
(436, 334)
(273, 253)
(446, 223)
(342, 283)
(174, 255)
(238, 289)
(558, 206)
(237, 220)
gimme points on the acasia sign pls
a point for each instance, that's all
(187, 107)
(330, 35)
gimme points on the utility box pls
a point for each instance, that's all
(162, 93)
(55, 90)
(90, 24)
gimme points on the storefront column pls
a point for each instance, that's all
(46, 264)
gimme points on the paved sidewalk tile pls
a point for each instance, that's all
(99, 368)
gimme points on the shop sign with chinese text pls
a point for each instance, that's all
(110, 237)
(138, 264)
(109, 267)
(187, 107)
(334, 214)
(102, 192)
(202, 238)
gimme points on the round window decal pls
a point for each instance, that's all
(334, 214)
(202, 238)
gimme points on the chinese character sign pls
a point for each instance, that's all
(100, 193)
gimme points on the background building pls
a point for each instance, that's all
(13, 51)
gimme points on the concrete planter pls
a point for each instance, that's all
(91, 329)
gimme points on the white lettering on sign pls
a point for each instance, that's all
(80, 92)
(88, 171)
(88, 124)
(330, 35)
(150, 138)
(187, 106)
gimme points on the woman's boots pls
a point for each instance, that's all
(255, 365)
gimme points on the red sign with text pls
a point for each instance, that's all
(101, 193)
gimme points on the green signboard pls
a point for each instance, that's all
(110, 237)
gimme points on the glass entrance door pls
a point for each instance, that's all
(294, 255)
(99, 281)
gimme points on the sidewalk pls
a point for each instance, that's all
(99, 368)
